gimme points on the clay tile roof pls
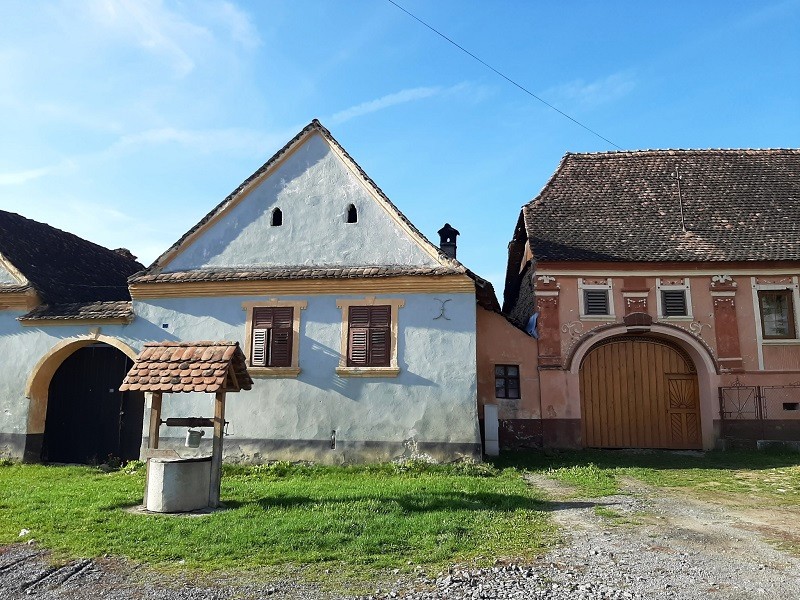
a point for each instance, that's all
(188, 367)
(117, 309)
(62, 267)
(299, 272)
(738, 205)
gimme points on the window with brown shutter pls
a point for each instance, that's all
(272, 337)
(369, 336)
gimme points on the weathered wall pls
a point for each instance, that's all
(21, 348)
(313, 189)
(759, 362)
(431, 407)
(499, 342)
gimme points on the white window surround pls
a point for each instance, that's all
(591, 286)
(292, 371)
(393, 370)
(760, 341)
(688, 290)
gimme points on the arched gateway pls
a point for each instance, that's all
(639, 392)
(77, 409)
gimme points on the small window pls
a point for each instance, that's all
(352, 214)
(272, 337)
(506, 381)
(595, 302)
(791, 406)
(369, 336)
(777, 314)
(277, 218)
(673, 303)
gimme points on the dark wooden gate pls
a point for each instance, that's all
(88, 418)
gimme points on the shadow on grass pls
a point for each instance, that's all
(537, 460)
(412, 503)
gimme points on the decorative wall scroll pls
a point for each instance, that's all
(442, 309)
(696, 327)
(573, 328)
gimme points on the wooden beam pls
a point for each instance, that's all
(216, 452)
(152, 439)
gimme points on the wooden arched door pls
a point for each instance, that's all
(639, 392)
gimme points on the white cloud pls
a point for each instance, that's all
(21, 177)
(152, 26)
(593, 93)
(401, 97)
(239, 24)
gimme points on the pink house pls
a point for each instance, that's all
(661, 289)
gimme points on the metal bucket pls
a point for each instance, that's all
(193, 438)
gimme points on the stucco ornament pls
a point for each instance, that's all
(696, 327)
(545, 279)
(721, 279)
(442, 309)
(573, 328)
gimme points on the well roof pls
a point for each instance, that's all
(205, 366)
(738, 205)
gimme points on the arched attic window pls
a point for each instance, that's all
(277, 218)
(352, 214)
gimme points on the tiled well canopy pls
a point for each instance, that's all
(170, 367)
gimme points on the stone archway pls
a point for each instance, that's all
(650, 389)
(37, 388)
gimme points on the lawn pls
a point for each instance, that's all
(342, 519)
(754, 477)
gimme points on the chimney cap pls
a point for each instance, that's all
(448, 230)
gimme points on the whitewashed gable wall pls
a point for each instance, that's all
(313, 188)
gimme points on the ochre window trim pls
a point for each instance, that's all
(294, 369)
(393, 370)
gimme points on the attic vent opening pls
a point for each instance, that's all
(352, 214)
(277, 218)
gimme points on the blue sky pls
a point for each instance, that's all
(126, 121)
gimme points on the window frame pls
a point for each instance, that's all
(685, 287)
(583, 287)
(293, 370)
(787, 293)
(506, 377)
(392, 370)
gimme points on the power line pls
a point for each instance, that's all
(506, 77)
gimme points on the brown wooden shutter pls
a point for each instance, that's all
(280, 354)
(379, 347)
(272, 336)
(357, 347)
(262, 318)
(369, 336)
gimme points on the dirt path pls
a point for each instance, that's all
(667, 545)
(644, 543)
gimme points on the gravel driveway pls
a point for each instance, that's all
(663, 545)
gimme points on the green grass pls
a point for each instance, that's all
(347, 519)
(764, 477)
